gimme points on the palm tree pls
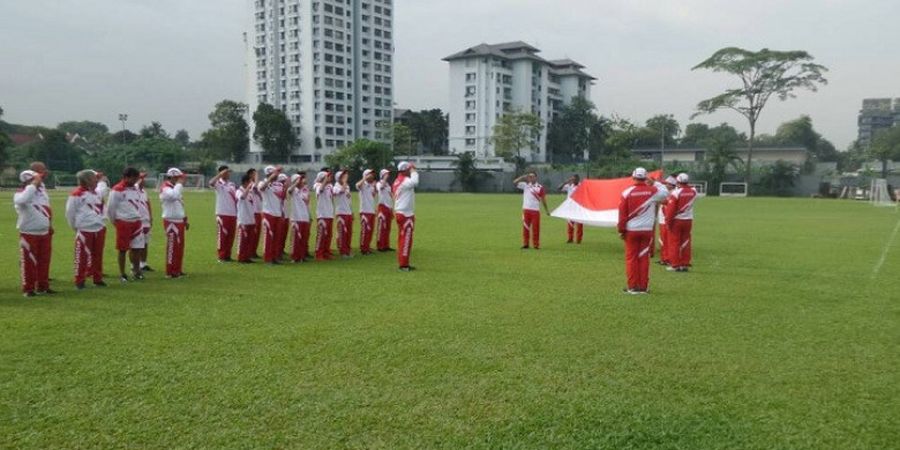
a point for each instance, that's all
(720, 155)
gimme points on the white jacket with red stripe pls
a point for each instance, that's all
(124, 203)
(681, 204)
(84, 210)
(637, 209)
(172, 202)
(33, 208)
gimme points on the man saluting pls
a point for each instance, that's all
(637, 215)
(405, 210)
(533, 197)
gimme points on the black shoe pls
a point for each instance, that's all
(537, 248)
(662, 263)
(100, 283)
(47, 292)
(228, 259)
(407, 268)
(525, 247)
(173, 277)
(29, 294)
(389, 250)
(138, 276)
(79, 286)
(571, 242)
(274, 262)
(123, 278)
(147, 269)
(681, 269)
(182, 274)
(249, 261)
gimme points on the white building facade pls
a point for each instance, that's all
(328, 64)
(490, 79)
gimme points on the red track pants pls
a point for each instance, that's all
(575, 230)
(531, 225)
(664, 243)
(637, 259)
(344, 233)
(271, 231)
(385, 217)
(245, 242)
(406, 226)
(257, 233)
(679, 243)
(89, 255)
(323, 238)
(174, 247)
(226, 227)
(35, 261)
(366, 230)
(300, 248)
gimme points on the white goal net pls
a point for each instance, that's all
(878, 193)
(192, 181)
(730, 189)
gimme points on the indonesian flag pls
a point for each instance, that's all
(596, 202)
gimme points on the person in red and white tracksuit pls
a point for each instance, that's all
(533, 197)
(124, 213)
(324, 215)
(680, 221)
(300, 220)
(385, 211)
(272, 192)
(343, 199)
(637, 216)
(574, 229)
(146, 221)
(226, 212)
(256, 199)
(84, 213)
(367, 196)
(175, 221)
(246, 222)
(404, 190)
(663, 230)
(283, 182)
(34, 223)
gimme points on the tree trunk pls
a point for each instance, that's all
(884, 168)
(748, 177)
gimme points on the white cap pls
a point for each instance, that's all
(320, 177)
(338, 175)
(283, 177)
(683, 178)
(403, 166)
(295, 177)
(367, 172)
(671, 180)
(384, 172)
(27, 176)
(269, 170)
(174, 172)
(640, 173)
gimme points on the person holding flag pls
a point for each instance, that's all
(324, 215)
(246, 222)
(226, 212)
(367, 195)
(385, 211)
(299, 194)
(84, 212)
(124, 213)
(404, 191)
(34, 223)
(534, 196)
(663, 230)
(573, 229)
(637, 217)
(343, 199)
(680, 220)
(175, 221)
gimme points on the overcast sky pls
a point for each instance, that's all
(172, 60)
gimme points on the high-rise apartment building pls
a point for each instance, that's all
(490, 79)
(328, 64)
(877, 114)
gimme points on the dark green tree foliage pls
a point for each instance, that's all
(274, 133)
(570, 133)
(229, 137)
(93, 132)
(886, 147)
(154, 130)
(360, 155)
(123, 137)
(515, 132)
(466, 171)
(763, 75)
(801, 132)
(404, 141)
(155, 155)
(664, 129)
(55, 151)
(430, 128)
(720, 143)
(777, 179)
(5, 144)
(183, 138)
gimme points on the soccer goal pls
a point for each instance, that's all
(878, 193)
(192, 180)
(700, 187)
(731, 189)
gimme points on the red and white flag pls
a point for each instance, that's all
(596, 202)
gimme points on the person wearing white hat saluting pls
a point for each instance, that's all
(367, 196)
(33, 222)
(637, 216)
(343, 199)
(663, 230)
(272, 207)
(324, 215)
(282, 184)
(405, 209)
(680, 220)
(84, 212)
(299, 193)
(175, 221)
(385, 211)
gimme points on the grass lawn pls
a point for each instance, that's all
(782, 337)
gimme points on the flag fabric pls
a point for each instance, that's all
(596, 202)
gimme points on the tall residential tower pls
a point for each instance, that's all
(328, 64)
(490, 79)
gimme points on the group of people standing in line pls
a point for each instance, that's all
(643, 207)
(254, 212)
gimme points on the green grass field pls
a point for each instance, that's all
(783, 336)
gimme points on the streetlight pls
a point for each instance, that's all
(123, 118)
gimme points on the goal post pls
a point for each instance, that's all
(700, 187)
(878, 193)
(732, 189)
(191, 181)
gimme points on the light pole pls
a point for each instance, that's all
(123, 118)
